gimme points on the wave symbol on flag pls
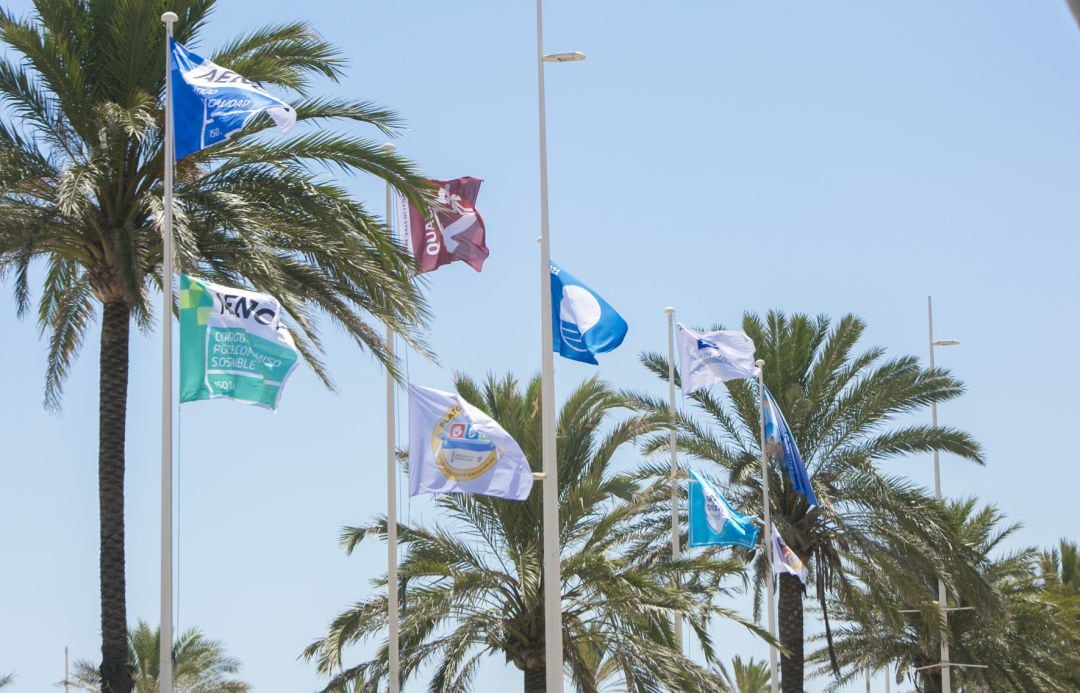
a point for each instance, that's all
(579, 312)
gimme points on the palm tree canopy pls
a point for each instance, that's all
(751, 676)
(472, 586)
(81, 165)
(200, 665)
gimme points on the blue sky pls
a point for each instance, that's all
(718, 157)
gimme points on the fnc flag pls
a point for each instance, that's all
(707, 358)
(780, 445)
(210, 103)
(712, 520)
(232, 344)
(454, 231)
(784, 559)
(583, 324)
(456, 448)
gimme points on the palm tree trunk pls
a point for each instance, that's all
(790, 619)
(536, 680)
(112, 424)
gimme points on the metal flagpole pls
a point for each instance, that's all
(553, 658)
(165, 676)
(391, 492)
(767, 530)
(676, 553)
(943, 607)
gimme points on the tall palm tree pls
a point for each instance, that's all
(200, 665)
(473, 586)
(1019, 634)
(81, 168)
(1061, 566)
(846, 410)
(751, 676)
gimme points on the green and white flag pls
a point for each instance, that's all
(232, 344)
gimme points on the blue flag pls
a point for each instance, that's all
(583, 324)
(780, 445)
(210, 103)
(712, 520)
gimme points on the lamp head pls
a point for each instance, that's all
(573, 57)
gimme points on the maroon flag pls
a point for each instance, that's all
(454, 231)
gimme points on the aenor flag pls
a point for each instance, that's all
(453, 232)
(210, 103)
(583, 324)
(713, 522)
(456, 448)
(232, 344)
(780, 445)
(784, 559)
(707, 358)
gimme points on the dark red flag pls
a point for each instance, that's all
(454, 231)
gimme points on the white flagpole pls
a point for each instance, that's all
(391, 493)
(165, 676)
(553, 656)
(767, 530)
(676, 553)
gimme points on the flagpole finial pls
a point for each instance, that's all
(670, 310)
(760, 363)
(169, 17)
(389, 147)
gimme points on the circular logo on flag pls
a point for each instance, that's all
(461, 451)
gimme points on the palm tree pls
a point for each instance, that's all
(199, 665)
(1061, 566)
(1019, 634)
(472, 585)
(752, 676)
(842, 407)
(81, 197)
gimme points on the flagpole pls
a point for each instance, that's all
(391, 492)
(676, 552)
(943, 606)
(767, 514)
(165, 675)
(553, 646)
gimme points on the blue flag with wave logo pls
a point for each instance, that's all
(780, 445)
(583, 324)
(210, 103)
(713, 522)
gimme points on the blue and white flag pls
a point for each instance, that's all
(713, 522)
(456, 448)
(780, 445)
(707, 358)
(784, 560)
(583, 324)
(210, 103)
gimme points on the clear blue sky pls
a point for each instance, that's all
(718, 157)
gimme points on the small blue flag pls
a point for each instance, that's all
(712, 520)
(583, 324)
(780, 445)
(210, 103)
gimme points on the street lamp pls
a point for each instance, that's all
(943, 607)
(553, 660)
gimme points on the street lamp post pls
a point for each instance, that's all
(943, 607)
(553, 660)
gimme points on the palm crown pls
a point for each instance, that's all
(472, 585)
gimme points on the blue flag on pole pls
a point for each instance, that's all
(210, 103)
(713, 522)
(780, 445)
(583, 324)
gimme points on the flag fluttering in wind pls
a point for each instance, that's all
(232, 344)
(713, 522)
(583, 324)
(780, 445)
(210, 103)
(456, 448)
(707, 358)
(454, 230)
(784, 559)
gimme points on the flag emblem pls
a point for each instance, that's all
(461, 451)
(453, 232)
(583, 323)
(707, 358)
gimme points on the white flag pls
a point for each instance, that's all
(707, 358)
(784, 559)
(456, 448)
